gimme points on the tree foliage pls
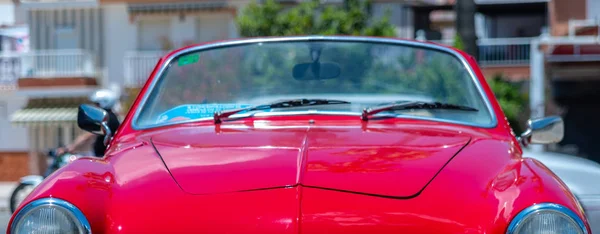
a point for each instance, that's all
(511, 100)
(354, 17)
(310, 17)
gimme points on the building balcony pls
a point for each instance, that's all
(57, 68)
(508, 57)
(43, 70)
(501, 51)
(56, 4)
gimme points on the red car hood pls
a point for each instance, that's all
(396, 162)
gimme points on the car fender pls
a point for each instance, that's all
(90, 184)
(493, 177)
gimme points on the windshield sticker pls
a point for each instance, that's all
(188, 59)
(196, 111)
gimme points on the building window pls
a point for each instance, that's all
(66, 38)
(211, 27)
(154, 34)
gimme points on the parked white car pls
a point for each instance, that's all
(581, 175)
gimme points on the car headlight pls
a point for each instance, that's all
(50, 215)
(547, 218)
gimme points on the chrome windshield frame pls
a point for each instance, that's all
(238, 42)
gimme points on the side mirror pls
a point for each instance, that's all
(95, 120)
(546, 130)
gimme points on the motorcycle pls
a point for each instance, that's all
(28, 183)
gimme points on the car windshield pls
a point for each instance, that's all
(196, 84)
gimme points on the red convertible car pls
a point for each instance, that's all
(312, 134)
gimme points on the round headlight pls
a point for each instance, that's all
(547, 218)
(50, 215)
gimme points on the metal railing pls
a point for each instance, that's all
(504, 51)
(139, 66)
(501, 51)
(45, 64)
(57, 63)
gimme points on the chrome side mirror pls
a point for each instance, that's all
(95, 120)
(546, 130)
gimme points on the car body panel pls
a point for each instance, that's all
(579, 173)
(244, 160)
(343, 158)
(383, 161)
(136, 189)
(581, 177)
(132, 188)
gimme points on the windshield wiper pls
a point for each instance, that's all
(412, 105)
(280, 104)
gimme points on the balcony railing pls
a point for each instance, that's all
(45, 64)
(139, 65)
(58, 63)
(501, 51)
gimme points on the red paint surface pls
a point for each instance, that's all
(347, 159)
(281, 174)
(574, 50)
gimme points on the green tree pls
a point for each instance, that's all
(270, 18)
(354, 17)
(511, 100)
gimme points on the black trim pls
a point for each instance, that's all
(165, 164)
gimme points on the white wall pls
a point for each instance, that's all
(122, 34)
(7, 13)
(20, 14)
(120, 37)
(182, 30)
(12, 138)
(593, 9)
(214, 26)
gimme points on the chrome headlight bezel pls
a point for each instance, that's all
(57, 203)
(521, 216)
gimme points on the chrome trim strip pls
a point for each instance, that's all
(236, 42)
(53, 202)
(544, 207)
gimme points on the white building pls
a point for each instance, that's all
(13, 139)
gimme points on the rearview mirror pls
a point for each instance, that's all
(95, 120)
(543, 131)
(316, 71)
